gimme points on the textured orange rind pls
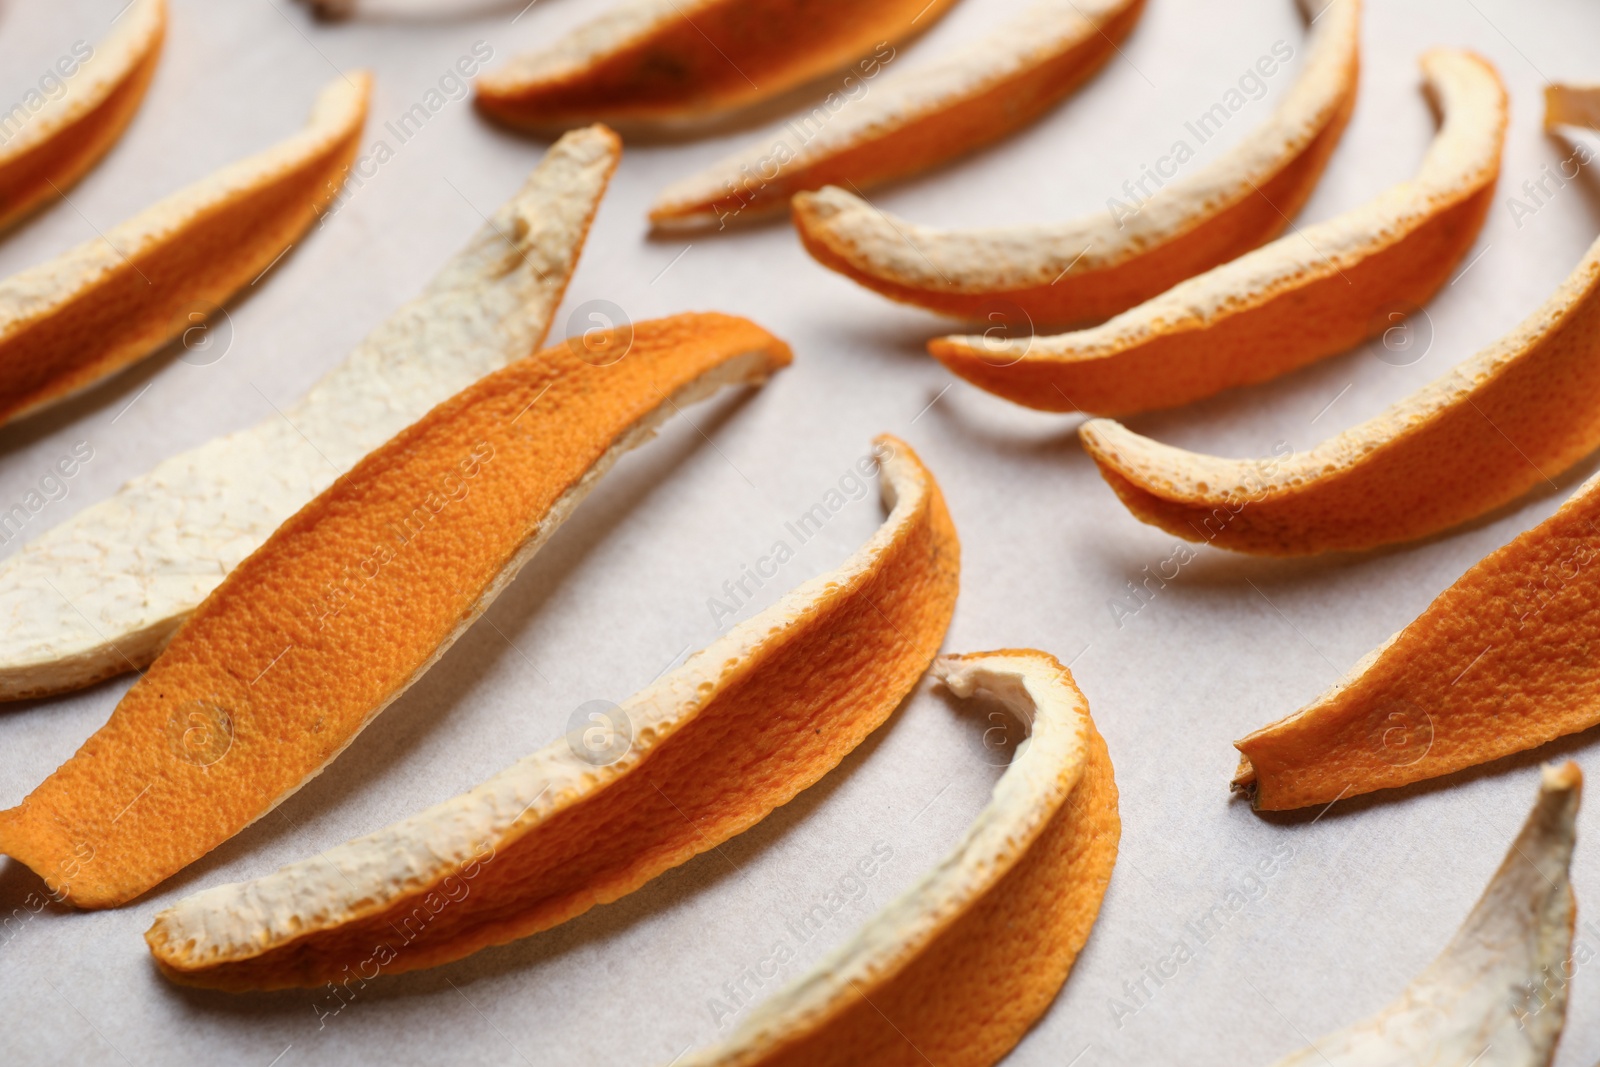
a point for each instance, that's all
(875, 132)
(51, 148)
(687, 64)
(1099, 265)
(738, 730)
(1306, 296)
(957, 969)
(112, 301)
(354, 598)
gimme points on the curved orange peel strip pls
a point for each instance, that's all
(688, 63)
(353, 598)
(1101, 264)
(908, 125)
(1305, 296)
(738, 730)
(957, 969)
(1497, 995)
(112, 301)
(1514, 415)
(1497, 664)
(57, 144)
(101, 593)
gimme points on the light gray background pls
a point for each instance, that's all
(1374, 889)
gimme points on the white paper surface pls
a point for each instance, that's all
(1370, 891)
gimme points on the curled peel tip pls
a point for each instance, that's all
(1561, 777)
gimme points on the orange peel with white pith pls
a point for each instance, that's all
(97, 308)
(53, 147)
(687, 64)
(1498, 664)
(1101, 264)
(1306, 296)
(957, 969)
(354, 597)
(904, 126)
(1497, 995)
(739, 729)
(1518, 413)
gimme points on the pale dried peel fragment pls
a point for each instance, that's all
(1515, 415)
(1571, 105)
(682, 64)
(109, 302)
(1499, 663)
(957, 969)
(1101, 264)
(46, 151)
(101, 593)
(905, 125)
(738, 730)
(1497, 995)
(1306, 296)
(354, 597)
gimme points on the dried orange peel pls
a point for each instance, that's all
(908, 125)
(1497, 995)
(109, 302)
(1096, 266)
(1509, 418)
(681, 64)
(354, 598)
(100, 594)
(1497, 664)
(56, 144)
(1305, 296)
(956, 970)
(738, 730)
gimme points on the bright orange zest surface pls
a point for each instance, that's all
(352, 599)
(685, 62)
(1503, 661)
(48, 149)
(738, 730)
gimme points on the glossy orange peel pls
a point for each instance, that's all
(112, 301)
(1499, 663)
(739, 729)
(54, 146)
(957, 969)
(1306, 296)
(682, 64)
(1093, 267)
(874, 132)
(355, 597)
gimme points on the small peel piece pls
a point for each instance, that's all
(60, 142)
(109, 302)
(1487, 1000)
(354, 598)
(1099, 265)
(908, 125)
(1304, 297)
(738, 730)
(101, 593)
(957, 969)
(1515, 415)
(1499, 663)
(683, 64)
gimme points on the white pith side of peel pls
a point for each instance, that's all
(410, 857)
(1041, 776)
(1016, 257)
(1463, 1009)
(1463, 158)
(124, 48)
(1037, 37)
(47, 289)
(1193, 477)
(135, 565)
